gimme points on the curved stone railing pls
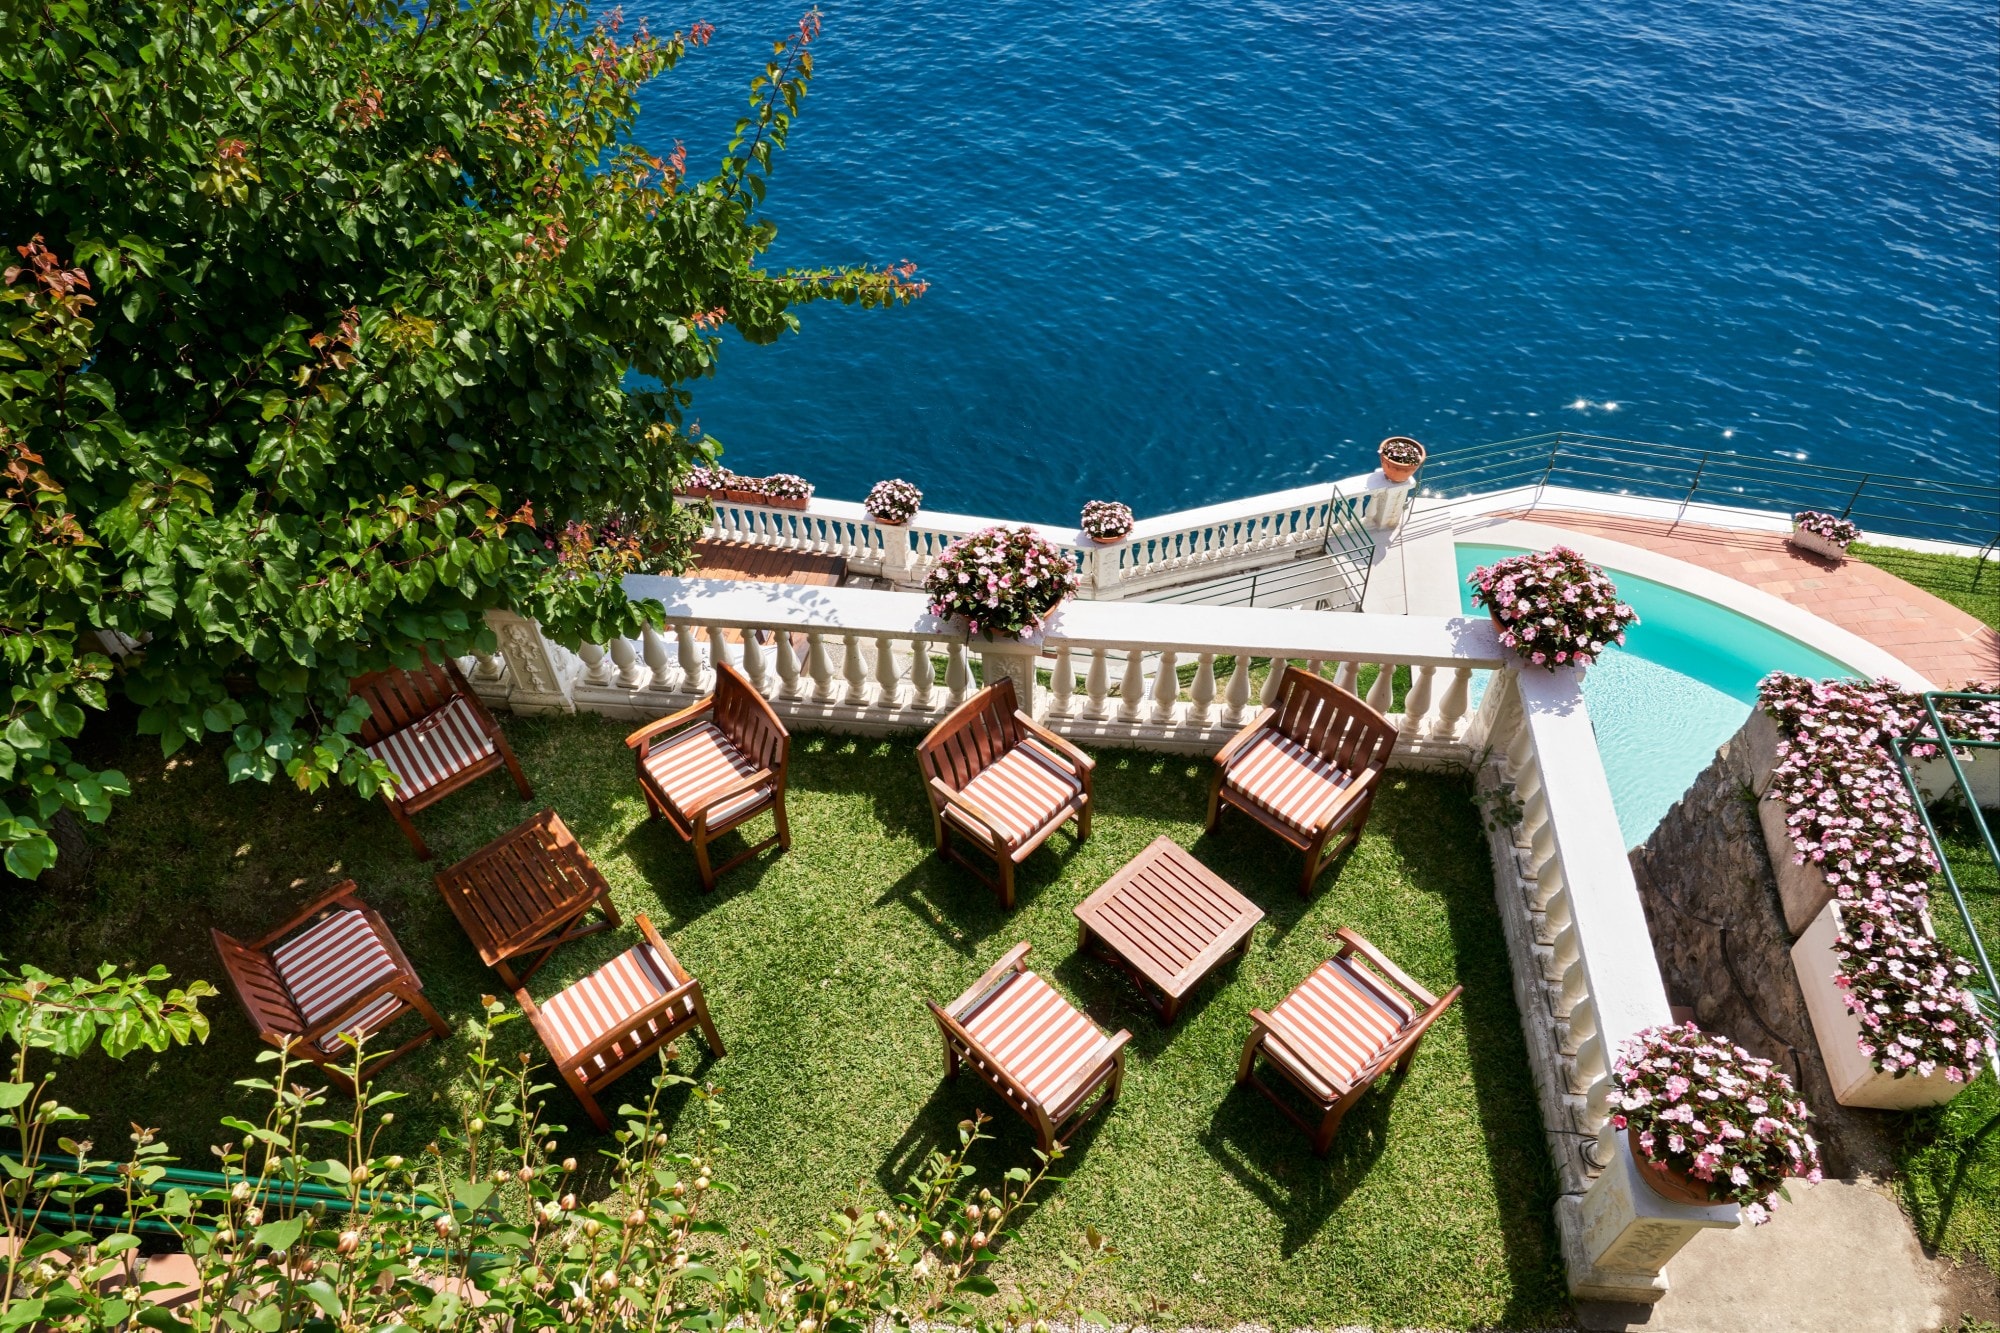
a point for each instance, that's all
(1149, 675)
(1191, 545)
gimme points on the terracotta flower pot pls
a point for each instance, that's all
(741, 497)
(1399, 471)
(787, 501)
(1107, 541)
(878, 520)
(1673, 1184)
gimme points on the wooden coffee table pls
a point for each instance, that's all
(1166, 921)
(523, 894)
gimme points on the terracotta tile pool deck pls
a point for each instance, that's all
(1932, 636)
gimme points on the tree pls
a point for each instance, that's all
(327, 337)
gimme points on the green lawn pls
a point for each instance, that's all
(1946, 576)
(1434, 1209)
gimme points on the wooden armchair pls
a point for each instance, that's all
(434, 734)
(1045, 1059)
(1305, 768)
(1000, 783)
(1335, 1035)
(598, 1029)
(725, 769)
(333, 969)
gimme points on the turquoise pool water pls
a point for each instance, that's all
(1681, 685)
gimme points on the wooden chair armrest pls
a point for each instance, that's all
(341, 893)
(1100, 1062)
(1349, 794)
(1242, 738)
(333, 1022)
(1079, 762)
(966, 805)
(1009, 962)
(680, 974)
(669, 722)
(748, 782)
(1353, 943)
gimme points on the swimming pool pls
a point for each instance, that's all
(1681, 685)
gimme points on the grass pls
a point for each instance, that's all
(1951, 1155)
(1947, 576)
(1434, 1209)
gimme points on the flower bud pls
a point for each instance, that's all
(569, 1203)
(476, 1125)
(569, 1163)
(253, 1217)
(360, 1175)
(702, 1183)
(950, 1237)
(240, 1191)
(395, 1162)
(978, 1239)
(550, 1146)
(350, 1241)
(608, 1279)
(636, 1218)
(591, 1226)
(525, 1174)
(445, 1226)
(388, 1117)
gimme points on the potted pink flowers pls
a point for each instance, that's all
(1552, 607)
(1002, 582)
(1823, 534)
(893, 502)
(1710, 1122)
(1105, 521)
(784, 490)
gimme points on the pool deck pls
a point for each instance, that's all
(1931, 635)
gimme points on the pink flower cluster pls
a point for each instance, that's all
(1836, 530)
(1003, 580)
(1716, 1112)
(1851, 815)
(1554, 607)
(1105, 518)
(708, 480)
(895, 500)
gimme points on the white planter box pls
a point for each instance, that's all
(1856, 1081)
(1982, 771)
(1801, 888)
(1818, 545)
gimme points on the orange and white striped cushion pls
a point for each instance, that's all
(426, 753)
(605, 1002)
(1337, 1021)
(693, 765)
(364, 1024)
(326, 966)
(1025, 789)
(1036, 1036)
(1283, 778)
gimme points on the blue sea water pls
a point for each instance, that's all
(1187, 251)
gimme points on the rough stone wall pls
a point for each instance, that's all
(1719, 931)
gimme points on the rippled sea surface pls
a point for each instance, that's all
(1187, 251)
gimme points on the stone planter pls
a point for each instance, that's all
(1982, 771)
(1818, 545)
(1801, 888)
(1856, 1081)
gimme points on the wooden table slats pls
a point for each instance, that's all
(524, 893)
(1167, 921)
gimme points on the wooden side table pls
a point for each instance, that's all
(1167, 921)
(524, 894)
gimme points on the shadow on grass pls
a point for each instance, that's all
(951, 1108)
(1272, 1159)
(666, 860)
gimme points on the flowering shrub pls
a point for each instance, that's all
(1715, 1112)
(1554, 607)
(894, 501)
(1003, 580)
(1836, 530)
(1849, 812)
(786, 486)
(1106, 518)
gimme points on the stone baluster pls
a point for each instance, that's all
(718, 651)
(1581, 1027)
(1166, 689)
(1097, 684)
(1062, 682)
(1556, 915)
(788, 666)
(595, 671)
(1382, 692)
(957, 674)
(819, 668)
(1541, 849)
(1201, 693)
(689, 654)
(1588, 1068)
(1563, 953)
(1315, 666)
(1575, 989)
(923, 673)
(852, 670)
(1236, 695)
(1417, 703)
(630, 672)
(657, 661)
(1348, 676)
(487, 666)
(1132, 689)
(887, 678)
(753, 662)
(1274, 676)
(1451, 709)
(1544, 888)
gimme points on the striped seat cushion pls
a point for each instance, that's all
(1283, 778)
(1334, 1024)
(327, 965)
(425, 753)
(1026, 790)
(604, 1003)
(689, 767)
(1036, 1037)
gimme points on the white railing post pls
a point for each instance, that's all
(539, 680)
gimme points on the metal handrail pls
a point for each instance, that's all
(1959, 512)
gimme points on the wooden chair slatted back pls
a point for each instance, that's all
(617, 1061)
(1327, 721)
(973, 738)
(398, 698)
(259, 987)
(747, 719)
